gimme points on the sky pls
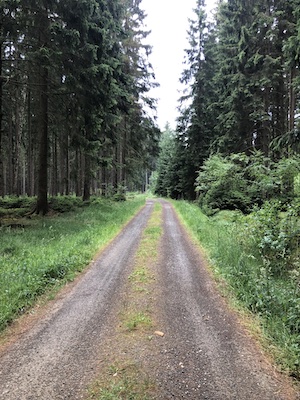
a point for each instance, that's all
(168, 22)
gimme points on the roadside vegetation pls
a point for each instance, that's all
(39, 253)
(257, 257)
(246, 214)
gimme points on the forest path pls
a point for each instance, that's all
(57, 357)
(205, 353)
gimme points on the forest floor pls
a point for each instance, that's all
(172, 332)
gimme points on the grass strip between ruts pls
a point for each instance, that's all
(123, 376)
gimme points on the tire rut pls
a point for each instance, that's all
(206, 354)
(57, 358)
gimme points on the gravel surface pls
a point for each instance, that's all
(205, 353)
(57, 358)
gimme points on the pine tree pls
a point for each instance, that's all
(165, 172)
(234, 128)
(138, 135)
(195, 125)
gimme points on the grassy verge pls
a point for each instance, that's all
(124, 375)
(44, 252)
(234, 257)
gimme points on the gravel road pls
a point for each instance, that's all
(204, 354)
(57, 357)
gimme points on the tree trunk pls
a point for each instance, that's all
(67, 172)
(87, 179)
(77, 173)
(1, 117)
(16, 148)
(54, 172)
(42, 200)
(292, 101)
(30, 162)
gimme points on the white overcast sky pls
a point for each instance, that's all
(168, 22)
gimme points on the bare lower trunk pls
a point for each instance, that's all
(1, 116)
(87, 179)
(292, 102)
(42, 200)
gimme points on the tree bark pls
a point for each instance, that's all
(292, 101)
(42, 200)
(1, 117)
(30, 152)
(87, 179)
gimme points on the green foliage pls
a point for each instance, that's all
(165, 172)
(220, 186)
(93, 58)
(241, 182)
(46, 251)
(121, 193)
(248, 253)
(276, 235)
(63, 204)
(17, 202)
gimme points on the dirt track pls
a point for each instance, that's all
(56, 359)
(205, 353)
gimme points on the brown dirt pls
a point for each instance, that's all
(205, 352)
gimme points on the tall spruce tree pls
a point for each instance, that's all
(195, 124)
(252, 80)
(137, 134)
(234, 128)
(74, 84)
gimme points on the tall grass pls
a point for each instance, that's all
(234, 256)
(44, 251)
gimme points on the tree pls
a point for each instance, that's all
(196, 122)
(74, 79)
(165, 182)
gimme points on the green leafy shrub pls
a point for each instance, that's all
(121, 193)
(221, 185)
(17, 202)
(257, 256)
(276, 234)
(63, 204)
(241, 182)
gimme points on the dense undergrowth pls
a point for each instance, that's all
(257, 256)
(39, 252)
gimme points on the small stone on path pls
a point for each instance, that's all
(159, 333)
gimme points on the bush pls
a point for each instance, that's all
(221, 185)
(63, 204)
(12, 202)
(276, 234)
(246, 252)
(241, 182)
